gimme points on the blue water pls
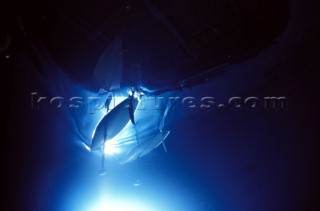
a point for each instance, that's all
(220, 159)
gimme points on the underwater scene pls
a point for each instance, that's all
(149, 105)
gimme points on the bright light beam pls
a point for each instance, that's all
(115, 205)
(111, 148)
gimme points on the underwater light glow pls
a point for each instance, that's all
(111, 148)
(114, 205)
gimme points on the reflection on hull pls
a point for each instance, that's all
(113, 122)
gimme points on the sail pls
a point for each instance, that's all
(108, 71)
